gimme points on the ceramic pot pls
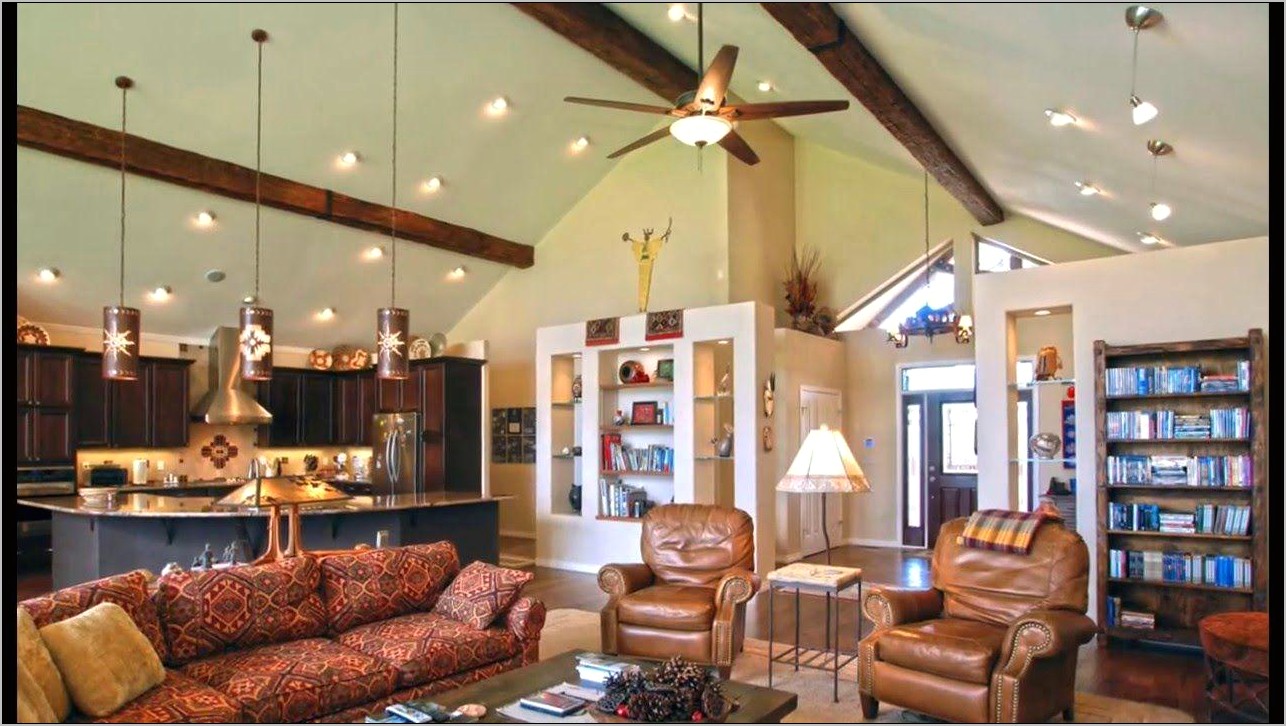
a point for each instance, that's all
(574, 497)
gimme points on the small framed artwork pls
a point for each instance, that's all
(514, 424)
(499, 421)
(528, 449)
(498, 450)
(643, 413)
(665, 369)
(529, 422)
(513, 449)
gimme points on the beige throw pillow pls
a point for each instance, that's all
(32, 705)
(33, 654)
(105, 660)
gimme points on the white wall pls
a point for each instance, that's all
(1206, 291)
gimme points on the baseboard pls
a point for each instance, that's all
(517, 534)
(863, 542)
(568, 565)
(789, 557)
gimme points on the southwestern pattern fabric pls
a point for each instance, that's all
(297, 681)
(179, 699)
(357, 713)
(1003, 530)
(426, 647)
(481, 592)
(240, 607)
(379, 584)
(129, 591)
(526, 619)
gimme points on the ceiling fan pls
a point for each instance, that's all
(701, 117)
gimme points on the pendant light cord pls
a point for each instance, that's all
(701, 42)
(926, 232)
(393, 222)
(124, 95)
(1134, 64)
(258, 160)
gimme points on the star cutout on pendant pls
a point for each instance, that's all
(116, 343)
(390, 343)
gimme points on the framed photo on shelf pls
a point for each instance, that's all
(665, 369)
(643, 413)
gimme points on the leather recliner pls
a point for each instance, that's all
(689, 595)
(995, 640)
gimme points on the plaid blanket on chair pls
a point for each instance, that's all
(1003, 530)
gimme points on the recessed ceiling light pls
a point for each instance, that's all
(676, 12)
(498, 106)
(1041, 313)
(580, 144)
(575, 355)
(326, 313)
(765, 86)
(1059, 118)
(161, 293)
(215, 275)
(373, 253)
(348, 158)
(723, 342)
(1087, 189)
(204, 219)
(1161, 211)
(48, 274)
(431, 185)
(457, 273)
(644, 349)
(1148, 238)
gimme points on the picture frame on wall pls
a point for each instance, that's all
(498, 455)
(513, 426)
(529, 422)
(643, 413)
(528, 449)
(499, 423)
(513, 449)
(665, 369)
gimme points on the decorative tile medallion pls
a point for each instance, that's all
(664, 325)
(219, 451)
(603, 331)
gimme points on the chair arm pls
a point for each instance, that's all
(1042, 634)
(736, 586)
(620, 580)
(890, 606)
(526, 618)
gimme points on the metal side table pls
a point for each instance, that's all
(828, 581)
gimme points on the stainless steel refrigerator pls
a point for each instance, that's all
(395, 453)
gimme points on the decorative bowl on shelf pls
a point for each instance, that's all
(1045, 445)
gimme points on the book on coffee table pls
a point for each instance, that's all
(550, 702)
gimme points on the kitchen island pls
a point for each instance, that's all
(147, 530)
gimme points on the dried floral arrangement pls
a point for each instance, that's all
(801, 295)
(677, 691)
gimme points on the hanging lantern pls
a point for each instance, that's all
(256, 343)
(120, 343)
(394, 329)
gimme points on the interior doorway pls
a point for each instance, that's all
(819, 406)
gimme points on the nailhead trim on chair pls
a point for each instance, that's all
(611, 582)
(1001, 677)
(883, 620)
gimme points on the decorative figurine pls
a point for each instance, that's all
(577, 388)
(770, 388)
(170, 568)
(723, 445)
(574, 498)
(769, 440)
(1047, 363)
(645, 254)
(725, 383)
(619, 419)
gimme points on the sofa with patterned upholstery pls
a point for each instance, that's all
(315, 639)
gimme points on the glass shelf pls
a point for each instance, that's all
(1047, 382)
(1035, 460)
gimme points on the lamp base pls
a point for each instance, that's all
(273, 551)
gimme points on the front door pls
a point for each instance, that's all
(951, 461)
(819, 406)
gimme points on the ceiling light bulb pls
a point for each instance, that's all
(431, 185)
(644, 349)
(457, 273)
(1149, 239)
(205, 219)
(765, 86)
(348, 158)
(326, 314)
(373, 253)
(580, 144)
(161, 294)
(700, 129)
(250, 299)
(48, 274)
(498, 105)
(723, 342)
(1143, 111)
(1041, 313)
(1087, 189)
(676, 12)
(1059, 118)
(1160, 211)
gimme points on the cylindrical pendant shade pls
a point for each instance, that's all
(255, 343)
(120, 343)
(393, 331)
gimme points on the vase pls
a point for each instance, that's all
(723, 445)
(574, 497)
(577, 388)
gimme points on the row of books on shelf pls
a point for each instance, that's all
(1180, 567)
(1197, 471)
(1206, 519)
(617, 499)
(1154, 380)
(623, 457)
(1121, 617)
(1219, 423)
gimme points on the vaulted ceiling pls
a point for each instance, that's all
(981, 74)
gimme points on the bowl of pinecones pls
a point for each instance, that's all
(675, 692)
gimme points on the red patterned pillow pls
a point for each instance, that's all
(129, 591)
(237, 607)
(480, 593)
(372, 585)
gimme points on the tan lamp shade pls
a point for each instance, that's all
(824, 464)
(282, 491)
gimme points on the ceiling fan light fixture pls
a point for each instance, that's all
(700, 129)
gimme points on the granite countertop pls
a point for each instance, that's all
(157, 487)
(158, 505)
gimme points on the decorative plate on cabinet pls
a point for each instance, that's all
(420, 349)
(361, 359)
(320, 359)
(32, 334)
(437, 344)
(342, 357)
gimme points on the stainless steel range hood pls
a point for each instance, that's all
(227, 401)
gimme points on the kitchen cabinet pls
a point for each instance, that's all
(45, 436)
(169, 403)
(130, 410)
(302, 404)
(354, 405)
(93, 419)
(148, 412)
(44, 389)
(317, 408)
(450, 406)
(44, 376)
(280, 395)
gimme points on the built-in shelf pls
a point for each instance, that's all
(565, 404)
(639, 427)
(1175, 636)
(1182, 535)
(633, 386)
(628, 472)
(1046, 382)
(1038, 460)
(1180, 488)
(1182, 585)
(603, 518)
(1194, 394)
(711, 457)
(1179, 441)
(564, 456)
(714, 398)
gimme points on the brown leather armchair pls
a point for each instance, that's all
(689, 596)
(995, 640)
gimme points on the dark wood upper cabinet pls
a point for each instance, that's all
(93, 418)
(354, 405)
(388, 396)
(53, 436)
(169, 405)
(451, 415)
(317, 391)
(45, 376)
(131, 410)
(151, 411)
(24, 365)
(26, 435)
(280, 396)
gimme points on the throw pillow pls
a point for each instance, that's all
(363, 587)
(34, 658)
(480, 593)
(129, 591)
(32, 705)
(105, 660)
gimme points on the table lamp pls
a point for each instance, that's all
(824, 465)
(277, 492)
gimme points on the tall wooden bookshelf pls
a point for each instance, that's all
(1179, 606)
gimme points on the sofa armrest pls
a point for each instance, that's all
(736, 586)
(1042, 634)
(526, 618)
(890, 606)
(620, 580)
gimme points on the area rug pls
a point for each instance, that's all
(567, 629)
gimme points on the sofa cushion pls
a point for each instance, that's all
(963, 650)
(378, 584)
(427, 646)
(34, 657)
(240, 607)
(480, 593)
(104, 660)
(295, 681)
(178, 699)
(672, 607)
(33, 707)
(128, 591)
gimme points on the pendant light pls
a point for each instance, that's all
(255, 341)
(393, 324)
(1138, 18)
(121, 324)
(928, 321)
(1157, 148)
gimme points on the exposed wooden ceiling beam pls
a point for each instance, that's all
(603, 33)
(824, 34)
(97, 145)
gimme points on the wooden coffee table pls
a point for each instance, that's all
(758, 704)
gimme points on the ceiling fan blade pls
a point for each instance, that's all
(714, 84)
(621, 105)
(737, 146)
(755, 111)
(657, 135)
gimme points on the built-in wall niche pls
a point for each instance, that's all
(1042, 390)
(566, 394)
(636, 429)
(712, 418)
